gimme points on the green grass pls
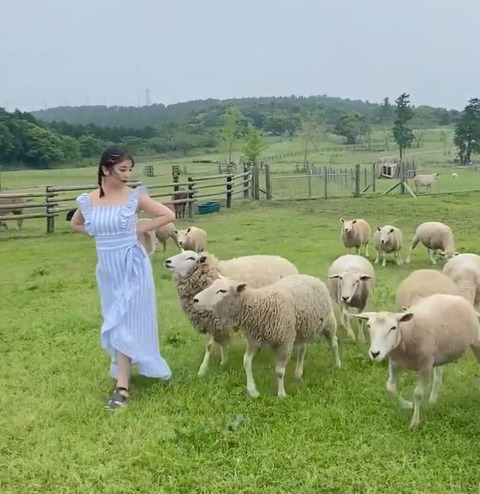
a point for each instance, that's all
(338, 432)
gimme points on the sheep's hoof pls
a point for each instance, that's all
(202, 372)
(282, 395)
(405, 405)
(414, 424)
(253, 393)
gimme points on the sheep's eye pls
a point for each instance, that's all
(190, 259)
(221, 291)
(340, 278)
(393, 328)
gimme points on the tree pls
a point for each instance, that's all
(351, 126)
(402, 134)
(229, 131)
(311, 128)
(467, 131)
(254, 144)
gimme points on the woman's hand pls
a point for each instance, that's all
(163, 215)
(78, 222)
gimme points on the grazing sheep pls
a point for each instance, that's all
(355, 233)
(286, 314)
(454, 175)
(351, 278)
(435, 331)
(148, 239)
(192, 238)
(464, 271)
(165, 232)
(193, 272)
(434, 236)
(388, 239)
(420, 284)
(9, 204)
(425, 180)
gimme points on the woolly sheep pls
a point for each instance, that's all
(464, 271)
(14, 207)
(192, 238)
(435, 331)
(193, 272)
(355, 233)
(165, 232)
(454, 175)
(434, 236)
(425, 180)
(420, 284)
(387, 239)
(148, 239)
(351, 278)
(286, 314)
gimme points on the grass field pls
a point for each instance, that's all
(338, 432)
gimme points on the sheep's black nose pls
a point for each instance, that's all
(375, 354)
(344, 298)
(195, 300)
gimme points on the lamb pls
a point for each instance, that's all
(193, 272)
(434, 236)
(388, 239)
(464, 271)
(286, 314)
(165, 232)
(11, 204)
(435, 331)
(425, 180)
(192, 238)
(355, 233)
(148, 239)
(351, 278)
(420, 284)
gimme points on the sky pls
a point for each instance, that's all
(78, 52)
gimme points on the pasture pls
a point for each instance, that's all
(337, 432)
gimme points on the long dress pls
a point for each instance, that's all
(126, 286)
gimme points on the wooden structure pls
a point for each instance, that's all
(148, 171)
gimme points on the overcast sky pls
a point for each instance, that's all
(77, 52)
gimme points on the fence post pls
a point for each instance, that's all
(402, 178)
(246, 182)
(325, 183)
(366, 178)
(268, 182)
(49, 197)
(310, 184)
(357, 180)
(256, 183)
(175, 178)
(191, 193)
(229, 191)
(374, 177)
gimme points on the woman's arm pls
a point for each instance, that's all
(78, 222)
(163, 215)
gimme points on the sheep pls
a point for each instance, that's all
(351, 278)
(434, 236)
(435, 331)
(420, 284)
(454, 175)
(355, 233)
(193, 272)
(388, 239)
(286, 314)
(165, 232)
(464, 271)
(425, 180)
(192, 238)
(148, 239)
(14, 205)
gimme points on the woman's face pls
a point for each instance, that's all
(120, 172)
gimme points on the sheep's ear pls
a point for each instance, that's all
(342, 220)
(364, 277)
(404, 316)
(378, 228)
(364, 315)
(354, 221)
(202, 259)
(188, 230)
(404, 308)
(240, 287)
(220, 277)
(333, 276)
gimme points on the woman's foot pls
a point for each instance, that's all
(118, 399)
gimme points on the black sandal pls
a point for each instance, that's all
(118, 399)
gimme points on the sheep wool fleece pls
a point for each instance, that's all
(126, 286)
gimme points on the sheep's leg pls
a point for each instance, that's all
(366, 249)
(301, 351)
(331, 337)
(208, 351)
(414, 243)
(247, 365)
(399, 257)
(357, 250)
(418, 394)
(393, 373)
(437, 384)
(431, 255)
(347, 323)
(283, 356)
(223, 353)
(377, 258)
(384, 262)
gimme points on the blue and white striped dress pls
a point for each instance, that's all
(126, 286)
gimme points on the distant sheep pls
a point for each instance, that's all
(387, 239)
(434, 236)
(464, 271)
(286, 314)
(14, 206)
(355, 233)
(192, 238)
(427, 181)
(435, 331)
(165, 232)
(454, 175)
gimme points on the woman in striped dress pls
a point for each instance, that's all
(124, 273)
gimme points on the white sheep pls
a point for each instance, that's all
(351, 279)
(420, 284)
(454, 175)
(388, 239)
(425, 180)
(165, 232)
(435, 331)
(286, 314)
(193, 238)
(148, 239)
(193, 272)
(464, 271)
(434, 236)
(355, 233)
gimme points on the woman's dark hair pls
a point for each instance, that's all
(111, 157)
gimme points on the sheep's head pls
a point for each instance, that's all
(219, 295)
(385, 332)
(183, 264)
(182, 235)
(348, 225)
(385, 233)
(349, 283)
(446, 254)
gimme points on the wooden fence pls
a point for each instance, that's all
(50, 203)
